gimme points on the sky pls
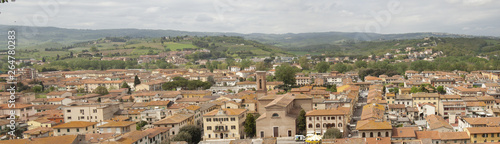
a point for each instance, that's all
(471, 17)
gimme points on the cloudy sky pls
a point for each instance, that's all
(473, 17)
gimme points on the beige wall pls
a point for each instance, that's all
(91, 113)
(375, 133)
(210, 127)
(74, 131)
(117, 130)
(324, 121)
(283, 122)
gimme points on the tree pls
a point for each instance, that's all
(360, 64)
(301, 122)
(37, 89)
(101, 90)
(332, 88)
(332, 133)
(340, 67)
(94, 49)
(286, 73)
(43, 59)
(322, 67)
(441, 90)
(304, 63)
(415, 90)
(136, 81)
(250, 125)
(140, 124)
(57, 57)
(182, 136)
(194, 131)
(125, 85)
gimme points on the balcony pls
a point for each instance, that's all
(221, 128)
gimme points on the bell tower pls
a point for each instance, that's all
(261, 83)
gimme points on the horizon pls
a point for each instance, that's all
(461, 17)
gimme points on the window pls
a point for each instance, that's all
(475, 136)
(379, 134)
(310, 126)
(69, 118)
(310, 118)
(364, 135)
(82, 111)
(67, 130)
(275, 115)
(209, 119)
(289, 133)
(324, 118)
(340, 118)
(216, 119)
(318, 125)
(208, 135)
(77, 130)
(340, 124)
(233, 119)
(261, 134)
(333, 118)
(58, 130)
(233, 127)
(492, 135)
(209, 128)
(317, 118)
(68, 111)
(95, 110)
(371, 134)
(386, 134)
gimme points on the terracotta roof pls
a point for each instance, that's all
(423, 94)
(482, 120)
(75, 124)
(17, 106)
(117, 124)
(475, 104)
(404, 132)
(152, 132)
(327, 112)
(396, 106)
(428, 134)
(192, 107)
(174, 119)
(231, 112)
(373, 125)
(55, 99)
(435, 122)
(450, 97)
(282, 101)
(158, 103)
(56, 93)
(454, 136)
(481, 130)
(46, 140)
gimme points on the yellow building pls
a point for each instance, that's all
(483, 134)
(40, 122)
(194, 93)
(75, 128)
(271, 85)
(224, 124)
(421, 97)
(390, 98)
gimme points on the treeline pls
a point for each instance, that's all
(86, 64)
(186, 84)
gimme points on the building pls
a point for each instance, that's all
(90, 113)
(75, 128)
(278, 114)
(437, 123)
(421, 98)
(318, 121)
(224, 124)
(21, 111)
(483, 134)
(175, 121)
(116, 127)
(372, 128)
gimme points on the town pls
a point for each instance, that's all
(282, 103)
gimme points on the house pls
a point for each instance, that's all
(224, 124)
(483, 134)
(302, 80)
(116, 127)
(153, 115)
(90, 113)
(372, 128)
(21, 111)
(278, 114)
(404, 133)
(318, 121)
(175, 121)
(75, 128)
(437, 123)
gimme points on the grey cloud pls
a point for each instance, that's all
(476, 17)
